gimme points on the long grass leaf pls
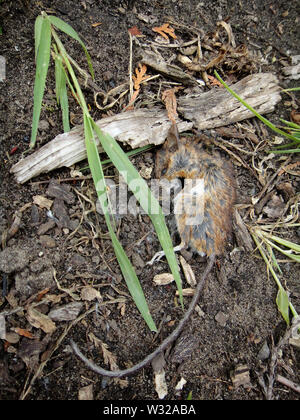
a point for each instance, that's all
(37, 33)
(61, 92)
(64, 104)
(276, 152)
(286, 243)
(42, 64)
(133, 152)
(67, 29)
(144, 196)
(59, 76)
(282, 301)
(290, 124)
(129, 274)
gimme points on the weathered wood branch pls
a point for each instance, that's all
(136, 128)
(140, 127)
(218, 107)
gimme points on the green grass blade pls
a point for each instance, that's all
(144, 196)
(290, 124)
(67, 29)
(61, 92)
(133, 152)
(129, 274)
(276, 152)
(273, 258)
(42, 64)
(286, 243)
(37, 33)
(291, 89)
(59, 77)
(282, 301)
(64, 104)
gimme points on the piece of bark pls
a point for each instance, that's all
(218, 107)
(136, 128)
(151, 59)
(241, 232)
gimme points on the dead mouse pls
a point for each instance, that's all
(215, 195)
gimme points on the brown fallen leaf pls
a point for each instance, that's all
(141, 76)
(188, 272)
(295, 116)
(169, 99)
(241, 376)
(66, 312)
(89, 293)
(86, 393)
(286, 189)
(163, 279)
(161, 387)
(134, 31)
(214, 81)
(274, 207)
(165, 30)
(24, 333)
(42, 202)
(39, 320)
(189, 291)
(108, 357)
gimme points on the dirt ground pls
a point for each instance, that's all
(238, 318)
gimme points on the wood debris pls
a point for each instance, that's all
(136, 128)
(218, 107)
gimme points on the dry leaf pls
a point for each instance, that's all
(75, 173)
(42, 202)
(108, 357)
(140, 76)
(39, 320)
(241, 376)
(122, 383)
(214, 81)
(132, 99)
(66, 312)
(89, 293)
(169, 99)
(163, 279)
(134, 31)
(274, 207)
(24, 333)
(295, 116)
(186, 292)
(165, 30)
(188, 272)
(86, 393)
(180, 384)
(160, 384)
(158, 364)
(122, 309)
(41, 294)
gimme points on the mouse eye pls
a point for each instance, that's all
(164, 171)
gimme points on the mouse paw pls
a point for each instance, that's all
(157, 257)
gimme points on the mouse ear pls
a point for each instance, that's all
(172, 141)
